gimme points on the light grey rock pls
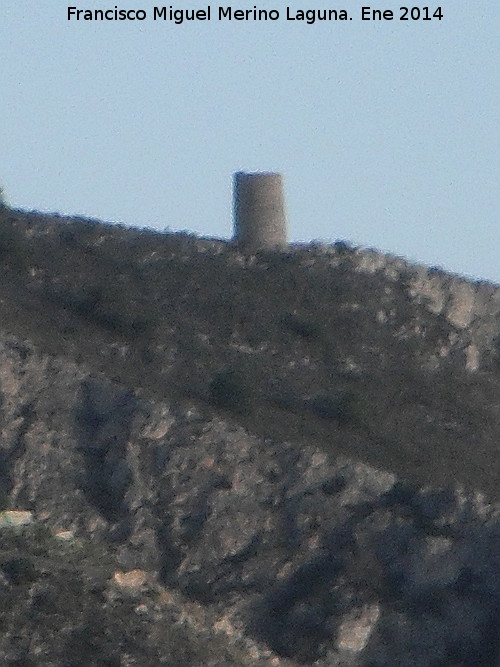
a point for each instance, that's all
(15, 518)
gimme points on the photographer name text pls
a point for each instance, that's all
(179, 16)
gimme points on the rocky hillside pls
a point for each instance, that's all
(215, 459)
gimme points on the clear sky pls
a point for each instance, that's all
(387, 132)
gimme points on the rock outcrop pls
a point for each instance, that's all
(182, 529)
(471, 307)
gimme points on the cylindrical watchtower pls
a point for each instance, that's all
(259, 211)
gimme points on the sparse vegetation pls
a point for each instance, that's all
(153, 311)
(63, 583)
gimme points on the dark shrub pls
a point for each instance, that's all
(302, 327)
(325, 406)
(352, 408)
(14, 248)
(19, 571)
(345, 407)
(344, 247)
(103, 305)
(229, 390)
(68, 236)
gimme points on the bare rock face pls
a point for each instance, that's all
(175, 520)
(471, 307)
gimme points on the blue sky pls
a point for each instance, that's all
(387, 133)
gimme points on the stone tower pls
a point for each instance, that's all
(259, 211)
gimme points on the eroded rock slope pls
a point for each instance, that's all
(166, 533)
